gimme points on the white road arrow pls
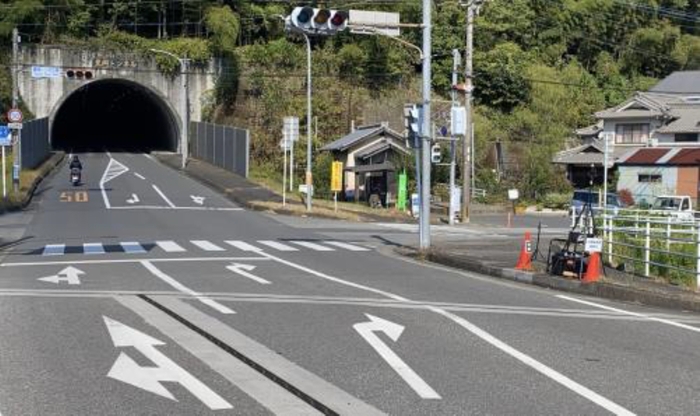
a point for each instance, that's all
(70, 275)
(126, 370)
(197, 199)
(393, 331)
(134, 199)
(244, 270)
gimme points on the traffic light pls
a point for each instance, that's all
(79, 74)
(435, 154)
(317, 21)
(413, 119)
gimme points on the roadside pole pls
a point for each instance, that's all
(16, 134)
(4, 175)
(427, 134)
(453, 148)
(309, 177)
(284, 171)
(606, 140)
(466, 168)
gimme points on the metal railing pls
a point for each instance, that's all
(655, 246)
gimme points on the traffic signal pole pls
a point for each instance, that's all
(309, 176)
(16, 134)
(424, 220)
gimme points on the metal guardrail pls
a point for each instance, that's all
(663, 246)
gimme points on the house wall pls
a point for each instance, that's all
(629, 179)
(664, 139)
(350, 162)
(688, 182)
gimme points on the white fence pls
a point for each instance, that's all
(654, 246)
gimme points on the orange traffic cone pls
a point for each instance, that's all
(525, 260)
(593, 269)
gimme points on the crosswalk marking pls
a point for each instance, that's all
(93, 248)
(54, 250)
(346, 246)
(277, 246)
(207, 245)
(312, 246)
(132, 247)
(170, 246)
(242, 245)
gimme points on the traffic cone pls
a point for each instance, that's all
(593, 269)
(525, 260)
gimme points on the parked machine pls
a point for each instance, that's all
(567, 256)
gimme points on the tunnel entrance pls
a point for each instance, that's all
(115, 115)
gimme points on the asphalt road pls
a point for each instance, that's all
(142, 292)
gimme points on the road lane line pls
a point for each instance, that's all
(168, 208)
(277, 245)
(313, 389)
(140, 176)
(312, 246)
(165, 198)
(242, 245)
(184, 289)
(54, 250)
(148, 156)
(639, 315)
(536, 365)
(207, 245)
(524, 358)
(170, 246)
(262, 389)
(346, 246)
(116, 261)
(93, 248)
(132, 247)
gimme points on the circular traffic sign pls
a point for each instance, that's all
(14, 115)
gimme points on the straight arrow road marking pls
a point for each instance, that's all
(70, 275)
(134, 199)
(244, 270)
(393, 331)
(126, 370)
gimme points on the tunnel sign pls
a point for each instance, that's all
(14, 115)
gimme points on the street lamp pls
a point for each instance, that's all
(184, 107)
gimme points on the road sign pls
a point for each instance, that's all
(291, 128)
(393, 331)
(14, 115)
(46, 72)
(14, 126)
(513, 194)
(372, 22)
(150, 378)
(285, 144)
(403, 189)
(458, 121)
(5, 136)
(337, 177)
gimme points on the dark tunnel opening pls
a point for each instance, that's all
(115, 115)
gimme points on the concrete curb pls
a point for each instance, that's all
(682, 300)
(46, 169)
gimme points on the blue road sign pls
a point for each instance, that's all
(5, 136)
(443, 131)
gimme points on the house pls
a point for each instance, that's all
(371, 156)
(668, 115)
(650, 172)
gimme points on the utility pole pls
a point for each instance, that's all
(466, 143)
(16, 134)
(453, 147)
(309, 177)
(424, 219)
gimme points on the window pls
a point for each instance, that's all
(686, 137)
(631, 133)
(649, 178)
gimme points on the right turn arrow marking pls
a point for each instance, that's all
(393, 331)
(244, 270)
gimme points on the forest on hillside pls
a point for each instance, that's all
(542, 67)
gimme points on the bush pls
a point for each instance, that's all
(557, 201)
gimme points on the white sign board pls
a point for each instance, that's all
(458, 121)
(285, 144)
(513, 194)
(594, 245)
(455, 201)
(302, 189)
(46, 72)
(369, 23)
(415, 205)
(15, 126)
(291, 128)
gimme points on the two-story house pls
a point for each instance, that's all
(665, 117)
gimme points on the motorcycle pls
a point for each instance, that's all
(75, 176)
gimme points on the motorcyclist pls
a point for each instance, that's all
(75, 163)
